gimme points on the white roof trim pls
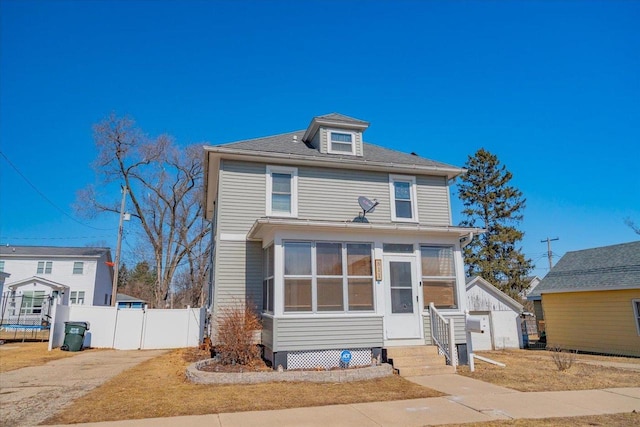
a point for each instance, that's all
(594, 289)
(39, 280)
(262, 224)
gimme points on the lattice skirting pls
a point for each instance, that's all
(327, 359)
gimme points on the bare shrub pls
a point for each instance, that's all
(562, 358)
(236, 345)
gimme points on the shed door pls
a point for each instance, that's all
(482, 341)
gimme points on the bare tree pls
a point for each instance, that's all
(629, 222)
(165, 185)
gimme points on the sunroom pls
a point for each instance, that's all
(335, 286)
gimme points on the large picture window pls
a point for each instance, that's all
(327, 277)
(403, 198)
(32, 302)
(282, 189)
(438, 277)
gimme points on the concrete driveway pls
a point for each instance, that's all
(30, 395)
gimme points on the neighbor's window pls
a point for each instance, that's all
(78, 267)
(342, 143)
(267, 282)
(328, 276)
(636, 307)
(403, 198)
(282, 189)
(32, 302)
(438, 277)
(76, 297)
(44, 267)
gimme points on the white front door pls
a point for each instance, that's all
(402, 317)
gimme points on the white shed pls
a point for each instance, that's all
(502, 313)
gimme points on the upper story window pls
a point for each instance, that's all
(282, 191)
(403, 198)
(1, 265)
(78, 267)
(342, 143)
(44, 267)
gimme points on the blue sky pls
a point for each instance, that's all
(551, 88)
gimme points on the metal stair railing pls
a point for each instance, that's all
(442, 334)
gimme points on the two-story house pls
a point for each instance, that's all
(291, 237)
(38, 274)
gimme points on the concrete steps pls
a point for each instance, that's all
(419, 360)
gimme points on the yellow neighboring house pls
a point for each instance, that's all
(591, 300)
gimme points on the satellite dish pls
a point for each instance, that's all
(367, 205)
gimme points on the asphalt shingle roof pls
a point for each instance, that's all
(285, 144)
(42, 251)
(616, 266)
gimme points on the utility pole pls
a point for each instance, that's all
(549, 253)
(116, 267)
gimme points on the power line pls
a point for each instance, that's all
(46, 198)
(549, 253)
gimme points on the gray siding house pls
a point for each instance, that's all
(291, 237)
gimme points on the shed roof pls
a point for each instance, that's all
(603, 268)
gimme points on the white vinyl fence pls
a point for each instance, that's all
(131, 328)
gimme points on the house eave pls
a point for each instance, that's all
(263, 226)
(591, 289)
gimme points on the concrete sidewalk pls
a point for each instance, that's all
(469, 401)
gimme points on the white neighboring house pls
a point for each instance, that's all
(502, 314)
(40, 274)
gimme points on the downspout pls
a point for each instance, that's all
(466, 240)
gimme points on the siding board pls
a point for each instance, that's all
(327, 333)
(601, 322)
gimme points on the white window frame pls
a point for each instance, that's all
(44, 267)
(636, 310)
(414, 197)
(81, 267)
(294, 191)
(77, 298)
(314, 279)
(454, 278)
(330, 149)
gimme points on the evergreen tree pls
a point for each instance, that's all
(491, 203)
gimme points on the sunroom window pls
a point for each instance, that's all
(341, 143)
(438, 277)
(327, 277)
(267, 283)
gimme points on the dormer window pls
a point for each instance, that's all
(342, 143)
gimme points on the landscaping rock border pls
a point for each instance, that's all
(195, 375)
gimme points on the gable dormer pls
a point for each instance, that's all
(336, 134)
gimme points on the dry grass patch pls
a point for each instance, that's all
(536, 371)
(158, 388)
(21, 355)
(610, 420)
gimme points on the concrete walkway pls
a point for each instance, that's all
(30, 395)
(469, 400)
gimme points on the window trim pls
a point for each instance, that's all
(314, 279)
(412, 191)
(330, 149)
(74, 297)
(75, 263)
(294, 191)
(268, 297)
(635, 303)
(453, 278)
(47, 267)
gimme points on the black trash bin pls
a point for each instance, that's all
(74, 335)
